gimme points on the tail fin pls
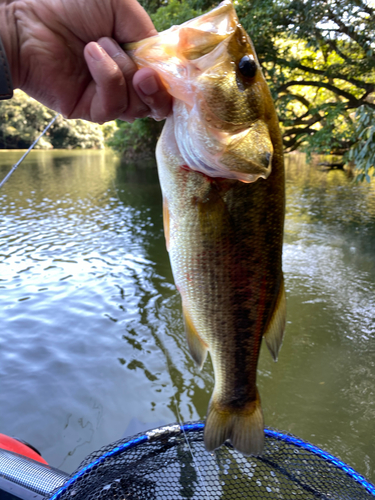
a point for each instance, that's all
(244, 428)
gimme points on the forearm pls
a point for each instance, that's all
(8, 33)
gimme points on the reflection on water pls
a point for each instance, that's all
(92, 345)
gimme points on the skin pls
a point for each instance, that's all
(66, 54)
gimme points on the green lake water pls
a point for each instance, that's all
(92, 345)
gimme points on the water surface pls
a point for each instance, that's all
(91, 341)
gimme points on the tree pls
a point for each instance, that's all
(22, 119)
(136, 139)
(362, 153)
(319, 59)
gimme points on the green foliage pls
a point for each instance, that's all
(335, 131)
(76, 134)
(319, 60)
(174, 13)
(22, 119)
(139, 137)
(362, 153)
(189, 9)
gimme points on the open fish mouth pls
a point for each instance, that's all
(228, 171)
(245, 155)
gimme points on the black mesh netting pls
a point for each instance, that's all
(159, 465)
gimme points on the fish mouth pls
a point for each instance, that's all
(259, 169)
(249, 152)
(197, 165)
(223, 173)
(245, 155)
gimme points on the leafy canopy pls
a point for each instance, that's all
(319, 57)
(22, 119)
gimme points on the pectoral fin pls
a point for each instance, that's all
(166, 219)
(198, 349)
(275, 331)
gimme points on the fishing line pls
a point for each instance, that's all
(28, 151)
(187, 441)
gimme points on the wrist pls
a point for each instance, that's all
(9, 38)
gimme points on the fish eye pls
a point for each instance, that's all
(247, 66)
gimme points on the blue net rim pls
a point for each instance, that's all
(199, 426)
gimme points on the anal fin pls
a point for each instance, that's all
(276, 327)
(166, 222)
(197, 347)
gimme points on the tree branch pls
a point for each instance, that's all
(358, 83)
(292, 145)
(294, 142)
(354, 102)
(298, 131)
(314, 119)
(333, 45)
(351, 33)
(298, 97)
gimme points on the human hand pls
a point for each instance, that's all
(66, 54)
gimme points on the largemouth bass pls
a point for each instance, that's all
(220, 165)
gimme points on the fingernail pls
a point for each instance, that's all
(149, 86)
(111, 47)
(150, 101)
(95, 51)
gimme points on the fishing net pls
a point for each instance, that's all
(171, 463)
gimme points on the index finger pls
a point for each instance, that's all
(131, 22)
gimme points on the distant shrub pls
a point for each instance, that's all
(362, 153)
(23, 118)
(136, 139)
